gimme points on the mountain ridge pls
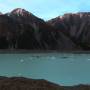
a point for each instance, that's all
(76, 26)
(27, 31)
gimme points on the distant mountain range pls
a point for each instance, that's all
(20, 29)
(21, 83)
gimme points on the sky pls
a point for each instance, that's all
(46, 9)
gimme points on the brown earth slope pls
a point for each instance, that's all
(21, 83)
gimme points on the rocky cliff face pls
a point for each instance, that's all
(21, 29)
(21, 83)
(75, 26)
(8, 32)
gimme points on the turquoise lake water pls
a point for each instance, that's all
(60, 68)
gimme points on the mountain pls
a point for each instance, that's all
(20, 11)
(76, 26)
(23, 30)
(21, 83)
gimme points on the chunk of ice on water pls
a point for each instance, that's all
(22, 60)
(53, 57)
(19, 74)
(88, 59)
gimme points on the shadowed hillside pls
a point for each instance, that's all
(20, 29)
(76, 26)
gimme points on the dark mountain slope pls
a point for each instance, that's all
(75, 26)
(8, 32)
(23, 30)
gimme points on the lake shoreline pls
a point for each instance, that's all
(24, 51)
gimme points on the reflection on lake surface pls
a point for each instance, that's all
(61, 68)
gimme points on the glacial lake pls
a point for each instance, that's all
(61, 68)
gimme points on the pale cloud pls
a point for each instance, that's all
(2, 5)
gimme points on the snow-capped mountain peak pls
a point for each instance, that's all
(20, 11)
